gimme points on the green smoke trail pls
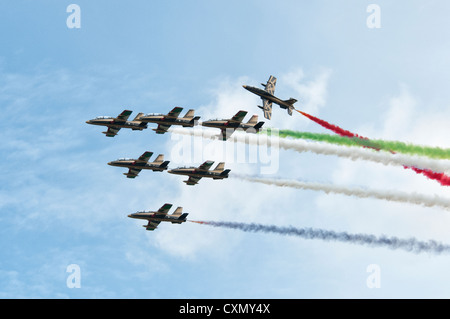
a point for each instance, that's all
(393, 146)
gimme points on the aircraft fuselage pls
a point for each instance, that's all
(162, 119)
(194, 172)
(136, 164)
(266, 95)
(154, 216)
(223, 124)
(135, 125)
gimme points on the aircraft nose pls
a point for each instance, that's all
(109, 163)
(244, 86)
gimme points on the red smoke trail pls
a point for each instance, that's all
(334, 128)
(443, 179)
(197, 221)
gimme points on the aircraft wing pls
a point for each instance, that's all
(175, 112)
(267, 108)
(161, 129)
(152, 224)
(270, 86)
(238, 117)
(145, 157)
(164, 209)
(112, 131)
(206, 165)
(124, 115)
(192, 180)
(132, 173)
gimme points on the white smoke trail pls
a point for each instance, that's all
(410, 245)
(353, 153)
(390, 195)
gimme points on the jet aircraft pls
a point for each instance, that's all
(164, 121)
(136, 165)
(114, 124)
(268, 98)
(155, 218)
(228, 126)
(196, 173)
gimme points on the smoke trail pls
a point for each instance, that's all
(437, 153)
(395, 146)
(392, 195)
(332, 127)
(441, 178)
(411, 245)
(353, 153)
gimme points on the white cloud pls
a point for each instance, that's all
(229, 96)
(312, 93)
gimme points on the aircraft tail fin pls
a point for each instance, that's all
(220, 167)
(291, 101)
(253, 120)
(177, 213)
(258, 125)
(164, 164)
(189, 114)
(225, 173)
(159, 159)
(193, 121)
(138, 116)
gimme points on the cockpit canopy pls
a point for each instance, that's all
(151, 114)
(103, 117)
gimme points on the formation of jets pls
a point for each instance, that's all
(164, 122)
(195, 173)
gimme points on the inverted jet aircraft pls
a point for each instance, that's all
(196, 173)
(136, 165)
(164, 121)
(268, 98)
(114, 124)
(228, 126)
(155, 218)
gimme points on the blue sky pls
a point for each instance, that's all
(61, 204)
